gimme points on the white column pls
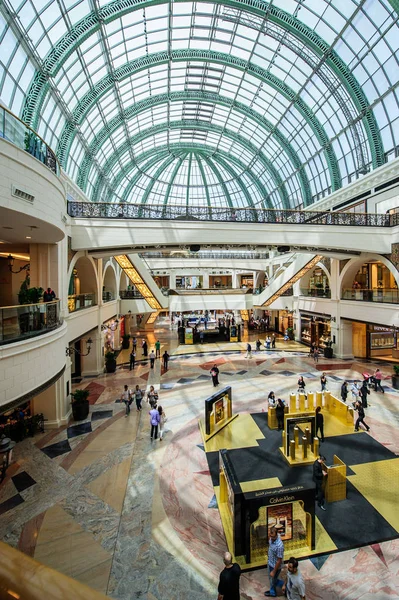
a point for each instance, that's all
(205, 280)
(343, 337)
(172, 280)
(92, 364)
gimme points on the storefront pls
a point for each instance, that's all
(315, 328)
(382, 342)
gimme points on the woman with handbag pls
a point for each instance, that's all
(162, 421)
(215, 375)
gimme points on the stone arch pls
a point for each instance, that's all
(348, 273)
(86, 279)
(110, 287)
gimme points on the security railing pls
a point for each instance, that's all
(183, 254)
(15, 131)
(80, 301)
(316, 293)
(130, 295)
(28, 320)
(104, 210)
(108, 296)
(209, 291)
(386, 295)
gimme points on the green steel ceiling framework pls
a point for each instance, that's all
(235, 103)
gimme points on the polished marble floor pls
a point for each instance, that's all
(136, 519)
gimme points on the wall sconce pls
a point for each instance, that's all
(333, 319)
(112, 327)
(10, 262)
(69, 350)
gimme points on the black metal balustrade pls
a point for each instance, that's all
(28, 320)
(104, 210)
(81, 301)
(15, 131)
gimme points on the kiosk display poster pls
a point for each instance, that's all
(233, 334)
(188, 335)
(219, 410)
(280, 517)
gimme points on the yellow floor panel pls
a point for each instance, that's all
(378, 482)
(260, 484)
(240, 433)
(334, 426)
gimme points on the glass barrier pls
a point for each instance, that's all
(316, 292)
(15, 131)
(389, 296)
(130, 294)
(28, 320)
(108, 296)
(81, 301)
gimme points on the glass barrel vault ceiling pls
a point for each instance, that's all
(219, 103)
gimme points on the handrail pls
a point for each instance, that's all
(25, 578)
(28, 139)
(24, 321)
(104, 210)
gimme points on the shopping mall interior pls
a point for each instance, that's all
(192, 178)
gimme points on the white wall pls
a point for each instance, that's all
(28, 364)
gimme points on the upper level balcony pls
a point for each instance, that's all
(81, 301)
(28, 320)
(15, 131)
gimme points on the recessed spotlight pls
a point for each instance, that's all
(33, 226)
(28, 237)
(4, 227)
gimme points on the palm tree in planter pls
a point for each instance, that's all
(80, 404)
(110, 361)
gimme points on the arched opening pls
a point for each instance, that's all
(109, 284)
(82, 290)
(370, 281)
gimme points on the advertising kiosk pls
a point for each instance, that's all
(218, 413)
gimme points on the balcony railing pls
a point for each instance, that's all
(130, 295)
(316, 293)
(386, 295)
(104, 210)
(28, 320)
(108, 296)
(209, 291)
(81, 301)
(15, 131)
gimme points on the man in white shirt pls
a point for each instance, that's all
(355, 391)
(294, 587)
(126, 397)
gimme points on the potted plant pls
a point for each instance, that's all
(110, 361)
(290, 333)
(125, 341)
(29, 295)
(395, 377)
(80, 404)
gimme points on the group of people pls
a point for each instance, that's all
(157, 414)
(293, 586)
(154, 354)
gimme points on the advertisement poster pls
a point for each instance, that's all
(233, 334)
(188, 335)
(219, 411)
(280, 517)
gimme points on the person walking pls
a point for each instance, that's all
(274, 560)
(132, 359)
(165, 360)
(249, 351)
(152, 397)
(126, 397)
(162, 421)
(344, 391)
(320, 422)
(318, 475)
(301, 385)
(215, 375)
(154, 422)
(268, 342)
(377, 377)
(294, 587)
(138, 394)
(229, 580)
(361, 415)
(152, 359)
(280, 409)
(144, 348)
(323, 382)
(364, 392)
(157, 349)
(273, 340)
(134, 344)
(202, 336)
(258, 345)
(316, 354)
